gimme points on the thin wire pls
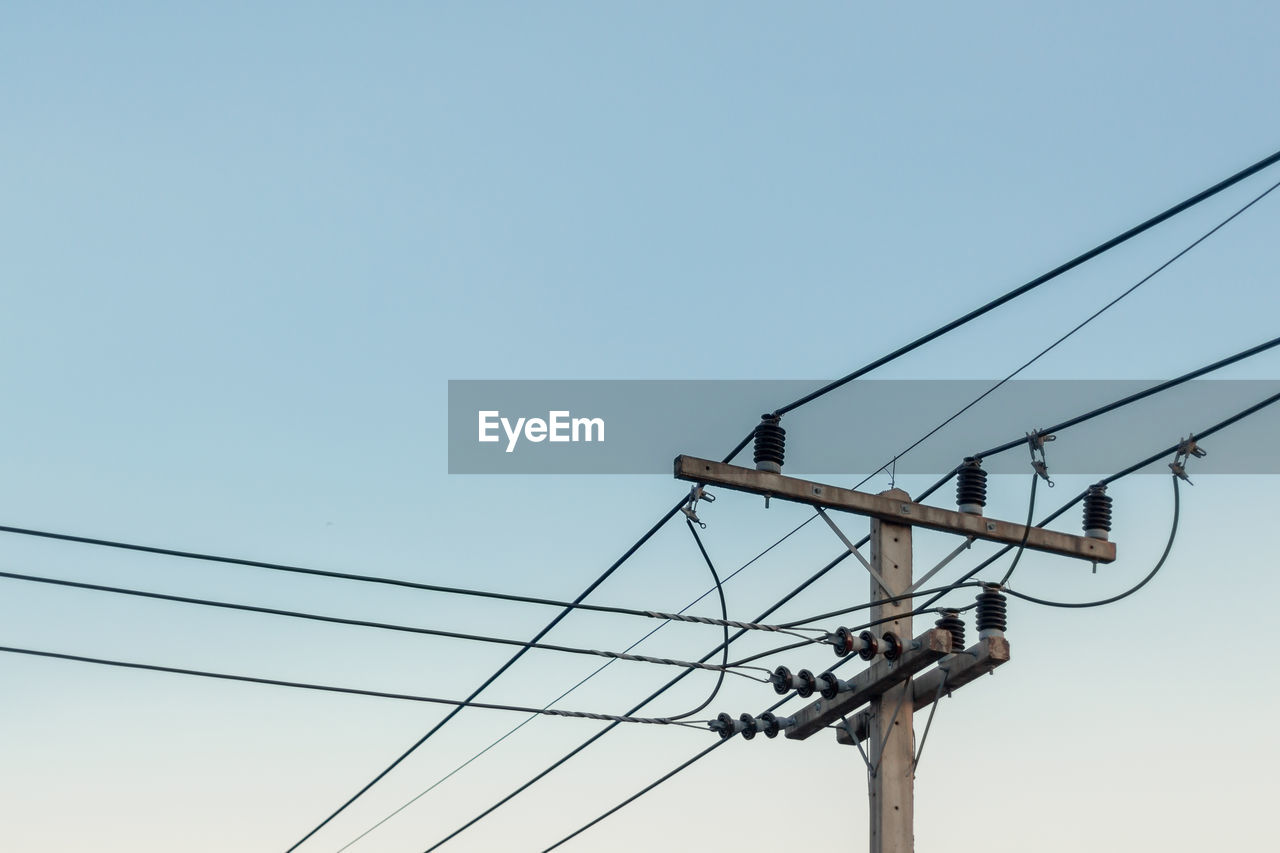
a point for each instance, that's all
(1026, 531)
(1031, 285)
(637, 795)
(1095, 315)
(299, 685)
(1173, 530)
(362, 623)
(890, 600)
(655, 694)
(495, 676)
(1120, 403)
(724, 608)
(583, 681)
(374, 579)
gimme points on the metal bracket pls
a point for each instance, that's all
(853, 550)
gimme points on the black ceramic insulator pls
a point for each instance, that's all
(971, 485)
(771, 443)
(771, 727)
(749, 723)
(830, 685)
(843, 642)
(807, 685)
(952, 622)
(991, 610)
(870, 645)
(893, 646)
(1097, 509)
(726, 726)
(781, 680)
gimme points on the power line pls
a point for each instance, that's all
(1086, 321)
(566, 693)
(362, 623)
(497, 674)
(374, 579)
(1033, 284)
(614, 719)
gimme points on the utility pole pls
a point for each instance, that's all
(888, 687)
(892, 778)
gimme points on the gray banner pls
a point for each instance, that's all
(639, 426)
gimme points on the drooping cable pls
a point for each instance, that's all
(1173, 531)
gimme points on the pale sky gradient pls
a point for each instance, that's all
(246, 246)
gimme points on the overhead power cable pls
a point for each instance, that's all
(363, 623)
(1032, 285)
(385, 581)
(614, 719)
(1173, 531)
(562, 696)
(1086, 321)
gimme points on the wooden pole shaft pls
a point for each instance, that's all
(892, 782)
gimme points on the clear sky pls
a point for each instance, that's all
(245, 247)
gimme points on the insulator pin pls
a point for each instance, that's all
(1097, 512)
(952, 622)
(991, 619)
(770, 444)
(971, 486)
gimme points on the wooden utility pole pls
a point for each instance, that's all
(892, 777)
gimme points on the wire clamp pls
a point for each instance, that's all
(690, 508)
(1187, 448)
(1036, 441)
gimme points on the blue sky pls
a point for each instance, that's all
(245, 249)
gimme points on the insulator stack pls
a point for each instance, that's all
(991, 612)
(770, 446)
(1097, 512)
(952, 622)
(971, 486)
